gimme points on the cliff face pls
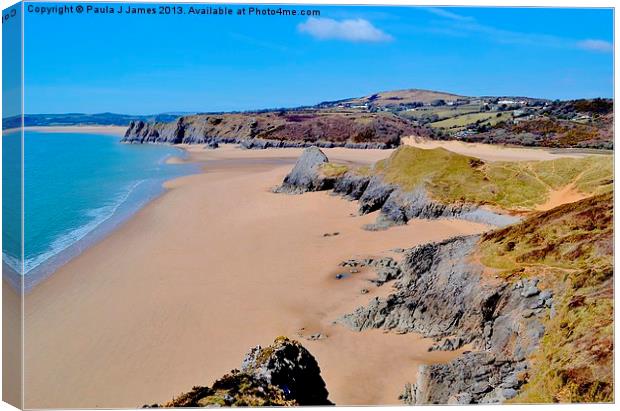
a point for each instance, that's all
(441, 293)
(279, 129)
(282, 374)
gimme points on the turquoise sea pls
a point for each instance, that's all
(77, 188)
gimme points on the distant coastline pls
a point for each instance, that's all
(88, 129)
(108, 130)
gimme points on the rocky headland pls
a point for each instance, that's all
(279, 129)
(436, 183)
(282, 374)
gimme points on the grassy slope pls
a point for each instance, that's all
(485, 117)
(404, 97)
(514, 186)
(571, 248)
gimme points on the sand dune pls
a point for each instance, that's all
(490, 152)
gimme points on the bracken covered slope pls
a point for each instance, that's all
(381, 130)
(571, 249)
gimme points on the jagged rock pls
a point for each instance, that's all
(282, 374)
(386, 268)
(407, 396)
(448, 344)
(306, 175)
(529, 290)
(351, 185)
(462, 398)
(374, 196)
(288, 365)
(440, 293)
(212, 144)
(471, 378)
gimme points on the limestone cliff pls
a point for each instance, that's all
(279, 129)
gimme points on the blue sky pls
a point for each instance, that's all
(143, 64)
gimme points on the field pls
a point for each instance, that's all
(399, 97)
(461, 121)
(440, 113)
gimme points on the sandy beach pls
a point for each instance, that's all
(109, 130)
(217, 265)
(492, 152)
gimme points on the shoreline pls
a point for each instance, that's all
(105, 130)
(138, 196)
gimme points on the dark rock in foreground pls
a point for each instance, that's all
(282, 374)
(306, 174)
(288, 365)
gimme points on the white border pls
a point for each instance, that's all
(509, 3)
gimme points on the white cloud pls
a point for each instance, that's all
(596, 45)
(448, 14)
(458, 24)
(349, 30)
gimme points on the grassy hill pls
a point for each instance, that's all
(403, 97)
(515, 186)
(571, 248)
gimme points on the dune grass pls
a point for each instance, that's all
(516, 186)
(333, 170)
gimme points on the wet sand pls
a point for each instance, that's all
(218, 264)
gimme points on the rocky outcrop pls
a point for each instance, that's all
(306, 174)
(288, 365)
(280, 129)
(282, 374)
(441, 293)
(397, 206)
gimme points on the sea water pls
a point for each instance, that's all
(77, 188)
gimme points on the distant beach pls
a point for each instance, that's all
(109, 130)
